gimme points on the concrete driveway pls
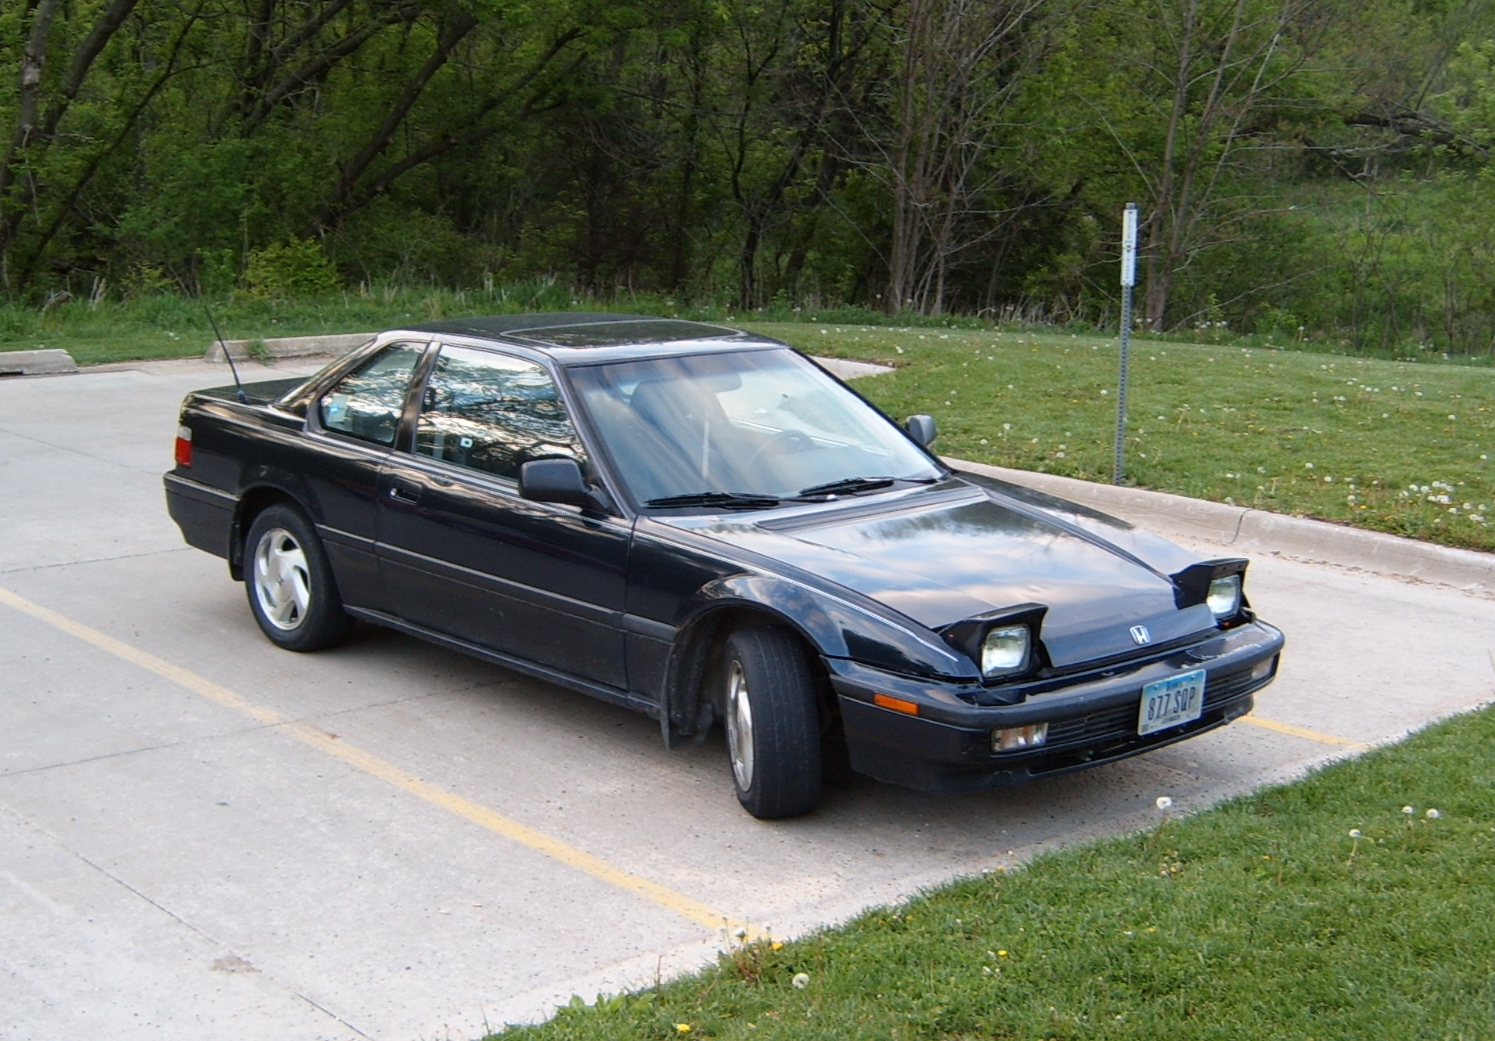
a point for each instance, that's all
(202, 835)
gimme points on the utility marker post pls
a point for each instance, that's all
(1128, 280)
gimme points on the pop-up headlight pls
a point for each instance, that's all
(1003, 644)
(1005, 650)
(1224, 596)
(1219, 584)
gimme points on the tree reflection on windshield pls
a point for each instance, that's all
(761, 423)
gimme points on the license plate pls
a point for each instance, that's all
(1167, 703)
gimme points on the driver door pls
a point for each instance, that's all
(460, 552)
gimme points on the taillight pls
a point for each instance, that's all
(184, 446)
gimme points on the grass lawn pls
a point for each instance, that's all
(1342, 439)
(1319, 435)
(1320, 909)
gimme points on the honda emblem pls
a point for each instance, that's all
(1140, 635)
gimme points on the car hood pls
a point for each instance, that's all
(960, 549)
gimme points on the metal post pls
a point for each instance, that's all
(1128, 280)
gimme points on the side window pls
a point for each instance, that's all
(493, 413)
(367, 402)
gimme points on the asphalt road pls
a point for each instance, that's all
(202, 835)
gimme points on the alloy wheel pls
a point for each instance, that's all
(282, 582)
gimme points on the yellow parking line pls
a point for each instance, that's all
(480, 815)
(1303, 732)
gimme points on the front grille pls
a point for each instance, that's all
(1120, 724)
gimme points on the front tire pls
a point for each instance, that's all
(773, 726)
(289, 582)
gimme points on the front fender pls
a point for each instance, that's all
(835, 627)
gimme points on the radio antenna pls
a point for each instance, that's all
(243, 398)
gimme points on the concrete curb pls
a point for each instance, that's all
(289, 346)
(50, 361)
(1242, 527)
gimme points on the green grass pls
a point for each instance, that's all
(1262, 918)
(1338, 438)
(166, 325)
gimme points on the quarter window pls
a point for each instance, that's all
(367, 402)
(492, 412)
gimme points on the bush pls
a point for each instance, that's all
(296, 269)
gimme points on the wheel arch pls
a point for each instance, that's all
(255, 500)
(827, 626)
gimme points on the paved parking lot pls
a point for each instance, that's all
(202, 835)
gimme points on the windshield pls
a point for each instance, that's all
(764, 424)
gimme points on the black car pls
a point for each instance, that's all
(700, 524)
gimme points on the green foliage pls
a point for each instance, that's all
(297, 268)
(1336, 170)
(1317, 909)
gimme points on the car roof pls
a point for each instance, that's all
(583, 337)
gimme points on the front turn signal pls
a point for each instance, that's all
(896, 704)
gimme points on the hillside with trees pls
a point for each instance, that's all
(1305, 168)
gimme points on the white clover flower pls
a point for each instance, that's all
(1164, 801)
(1408, 810)
(1433, 815)
(801, 980)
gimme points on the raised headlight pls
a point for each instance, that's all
(1004, 650)
(1224, 596)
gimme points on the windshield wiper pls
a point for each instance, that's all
(729, 500)
(852, 485)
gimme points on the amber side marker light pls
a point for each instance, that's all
(896, 704)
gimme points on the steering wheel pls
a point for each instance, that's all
(783, 442)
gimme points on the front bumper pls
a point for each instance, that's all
(947, 746)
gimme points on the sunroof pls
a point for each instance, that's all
(609, 334)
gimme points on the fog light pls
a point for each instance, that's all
(1015, 739)
(1262, 669)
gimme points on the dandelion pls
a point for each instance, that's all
(801, 980)
(777, 945)
(740, 933)
(1164, 801)
(682, 1028)
(1433, 815)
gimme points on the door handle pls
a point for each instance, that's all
(402, 493)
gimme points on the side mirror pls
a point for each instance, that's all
(555, 480)
(922, 429)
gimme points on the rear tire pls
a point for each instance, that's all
(773, 725)
(289, 582)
